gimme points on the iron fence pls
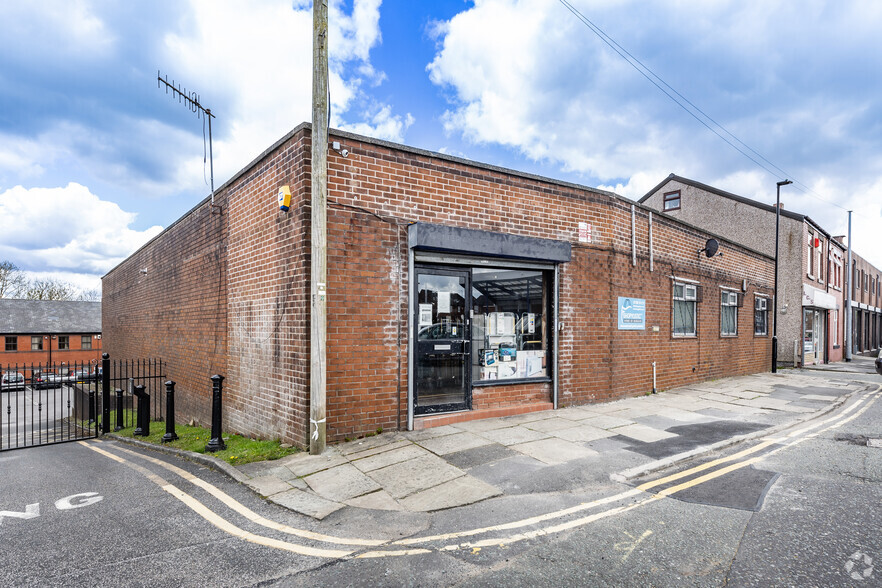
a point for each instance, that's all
(48, 403)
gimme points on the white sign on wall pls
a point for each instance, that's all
(584, 233)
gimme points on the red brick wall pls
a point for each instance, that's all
(75, 355)
(229, 292)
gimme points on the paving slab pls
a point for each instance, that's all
(431, 433)
(341, 483)
(821, 397)
(678, 414)
(607, 422)
(457, 492)
(405, 478)
(633, 412)
(480, 425)
(357, 452)
(577, 413)
(551, 425)
(529, 417)
(582, 433)
(306, 503)
(513, 435)
(387, 458)
(643, 433)
(268, 485)
(477, 456)
(304, 464)
(453, 443)
(554, 451)
(379, 500)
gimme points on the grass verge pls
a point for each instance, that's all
(240, 450)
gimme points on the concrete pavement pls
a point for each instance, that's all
(550, 451)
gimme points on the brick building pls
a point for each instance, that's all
(58, 332)
(811, 319)
(866, 305)
(456, 290)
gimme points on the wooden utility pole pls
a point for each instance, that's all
(319, 180)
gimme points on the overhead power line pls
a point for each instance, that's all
(689, 107)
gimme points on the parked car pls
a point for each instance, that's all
(12, 381)
(45, 380)
(82, 375)
(879, 363)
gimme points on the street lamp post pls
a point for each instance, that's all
(775, 311)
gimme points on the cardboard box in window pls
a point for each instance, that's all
(531, 364)
(507, 352)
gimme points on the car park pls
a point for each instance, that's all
(42, 380)
(12, 381)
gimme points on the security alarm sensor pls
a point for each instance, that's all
(345, 152)
(284, 198)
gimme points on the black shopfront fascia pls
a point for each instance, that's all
(442, 248)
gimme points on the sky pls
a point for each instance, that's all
(95, 159)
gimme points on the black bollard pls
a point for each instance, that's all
(119, 409)
(170, 434)
(105, 393)
(143, 417)
(91, 406)
(217, 441)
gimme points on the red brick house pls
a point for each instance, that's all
(456, 290)
(42, 332)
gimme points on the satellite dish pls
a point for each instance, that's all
(711, 247)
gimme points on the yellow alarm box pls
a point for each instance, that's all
(285, 198)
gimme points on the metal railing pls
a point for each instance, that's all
(49, 403)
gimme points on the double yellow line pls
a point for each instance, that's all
(387, 548)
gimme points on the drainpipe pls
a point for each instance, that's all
(848, 291)
(411, 342)
(554, 361)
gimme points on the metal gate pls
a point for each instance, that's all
(45, 404)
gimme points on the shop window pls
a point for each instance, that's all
(63, 342)
(672, 200)
(510, 326)
(11, 343)
(761, 316)
(36, 343)
(86, 342)
(729, 314)
(685, 300)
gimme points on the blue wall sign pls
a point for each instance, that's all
(632, 314)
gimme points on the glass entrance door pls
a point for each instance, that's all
(441, 315)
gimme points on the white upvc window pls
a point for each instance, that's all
(684, 309)
(728, 313)
(761, 316)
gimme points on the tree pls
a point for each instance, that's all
(50, 289)
(13, 283)
(90, 295)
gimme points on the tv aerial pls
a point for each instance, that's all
(191, 100)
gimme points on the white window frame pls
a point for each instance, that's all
(689, 295)
(836, 328)
(761, 304)
(810, 266)
(728, 299)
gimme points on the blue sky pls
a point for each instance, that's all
(95, 160)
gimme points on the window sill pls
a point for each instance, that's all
(722, 336)
(761, 335)
(674, 336)
(509, 381)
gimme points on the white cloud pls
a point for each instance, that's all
(794, 82)
(66, 229)
(260, 53)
